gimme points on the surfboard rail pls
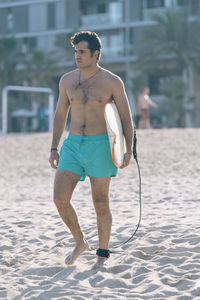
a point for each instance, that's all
(115, 133)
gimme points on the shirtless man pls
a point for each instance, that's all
(144, 102)
(86, 151)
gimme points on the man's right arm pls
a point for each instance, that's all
(151, 102)
(60, 119)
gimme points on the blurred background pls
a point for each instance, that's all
(153, 43)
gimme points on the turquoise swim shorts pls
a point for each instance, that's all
(87, 156)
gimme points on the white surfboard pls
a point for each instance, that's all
(115, 133)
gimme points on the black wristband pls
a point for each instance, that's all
(54, 149)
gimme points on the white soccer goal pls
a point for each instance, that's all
(25, 89)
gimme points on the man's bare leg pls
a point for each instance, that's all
(148, 126)
(64, 185)
(141, 123)
(100, 194)
(144, 120)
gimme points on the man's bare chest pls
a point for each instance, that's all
(88, 93)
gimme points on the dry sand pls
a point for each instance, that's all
(161, 262)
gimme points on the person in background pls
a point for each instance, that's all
(144, 103)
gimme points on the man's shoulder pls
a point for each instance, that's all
(112, 76)
(68, 76)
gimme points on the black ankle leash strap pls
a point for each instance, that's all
(103, 252)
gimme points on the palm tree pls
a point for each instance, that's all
(174, 89)
(173, 43)
(171, 38)
(138, 83)
(8, 61)
(63, 42)
(38, 68)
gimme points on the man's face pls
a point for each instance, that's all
(83, 55)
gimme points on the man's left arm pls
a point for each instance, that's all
(121, 101)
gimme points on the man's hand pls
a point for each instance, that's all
(54, 159)
(127, 158)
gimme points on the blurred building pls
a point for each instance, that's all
(36, 23)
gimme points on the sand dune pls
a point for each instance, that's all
(161, 262)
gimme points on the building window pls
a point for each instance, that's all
(195, 7)
(24, 46)
(28, 44)
(10, 20)
(101, 8)
(101, 13)
(183, 2)
(51, 10)
(20, 19)
(89, 8)
(32, 42)
(155, 3)
(112, 44)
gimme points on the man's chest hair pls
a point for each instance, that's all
(92, 93)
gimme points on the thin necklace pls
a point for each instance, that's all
(79, 80)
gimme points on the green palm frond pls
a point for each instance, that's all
(169, 38)
(8, 60)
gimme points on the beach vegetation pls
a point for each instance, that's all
(8, 60)
(171, 47)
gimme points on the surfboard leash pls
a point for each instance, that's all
(140, 194)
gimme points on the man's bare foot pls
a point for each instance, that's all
(101, 262)
(70, 259)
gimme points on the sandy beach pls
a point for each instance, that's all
(161, 262)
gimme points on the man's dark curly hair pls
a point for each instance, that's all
(94, 42)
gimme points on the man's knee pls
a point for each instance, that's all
(61, 201)
(101, 205)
